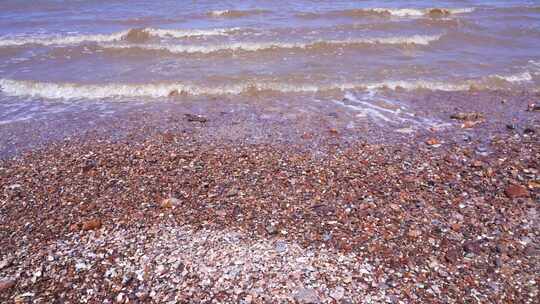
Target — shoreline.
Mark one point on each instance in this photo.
(239, 206)
(264, 120)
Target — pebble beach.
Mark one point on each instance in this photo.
(249, 151)
(172, 218)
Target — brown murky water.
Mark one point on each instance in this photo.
(91, 61)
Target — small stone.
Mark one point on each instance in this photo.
(271, 229)
(91, 224)
(470, 116)
(232, 192)
(306, 296)
(337, 293)
(477, 164)
(482, 151)
(433, 142)
(6, 284)
(74, 227)
(414, 233)
(434, 264)
(515, 191)
(511, 126)
(533, 107)
(471, 124)
(528, 130)
(141, 295)
(81, 266)
(281, 246)
(327, 236)
(456, 226)
(169, 203)
(452, 255)
(471, 247)
(120, 298)
(5, 263)
(195, 118)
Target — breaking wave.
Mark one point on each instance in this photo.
(61, 40)
(397, 12)
(51, 90)
(133, 35)
(236, 13)
(259, 46)
(522, 77)
(171, 33)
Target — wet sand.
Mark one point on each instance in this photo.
(254, 206)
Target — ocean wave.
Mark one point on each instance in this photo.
(260, 46)
(131, 35)
(515, 78)
(236, 13)
(61, 40)
(172, 33)
(397, 12)
(51, 90)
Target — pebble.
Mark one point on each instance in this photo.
(337, 293)
(91, 224)
(511, 126)
(169, 203)
(271, 229)
(516, 191)
(452, 255)
(281, 246)
(6, 284)
(6, 262)
(435, 191)
(306, 296)
(528, 130)
(327, 236)
(433, 142)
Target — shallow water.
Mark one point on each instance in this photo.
(65, 52)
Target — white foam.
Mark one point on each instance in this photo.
(113, 37)
(404, 12)
(258, 46)
(419, 84)
(235, 13)
(51, 90)
(394, 113)
(410, 12)
(218, 13)
(61, 40)
(173, 33)
(521, 77)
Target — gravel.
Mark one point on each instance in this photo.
(168, 219)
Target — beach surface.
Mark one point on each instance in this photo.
(191, 213)
(269, 152)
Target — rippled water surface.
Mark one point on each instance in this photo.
(66, 52)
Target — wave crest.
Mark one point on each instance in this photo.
(50, 90)
(135, 35)
(515, 78)
(236, 13)
(388, 12)
(261, 46)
